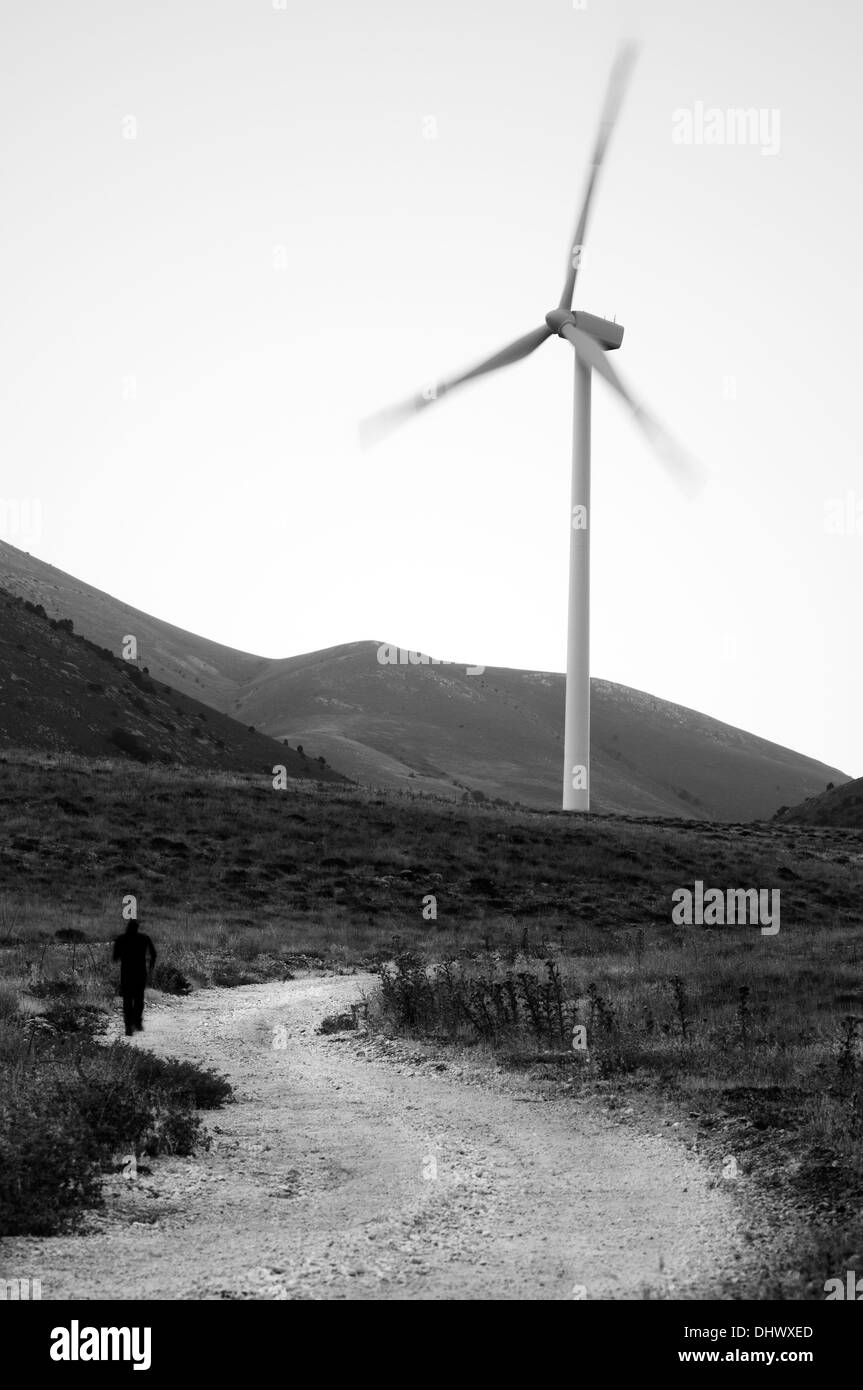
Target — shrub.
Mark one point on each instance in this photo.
(85, 1019)
(202, 1087)
(49, 1162)
(337, 1023)
(68, 1105)
(169, 979)
(118, 1112)
(52, 989)
(489, 1003)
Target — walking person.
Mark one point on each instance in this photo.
(136, 954)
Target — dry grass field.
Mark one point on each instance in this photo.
(496, 930)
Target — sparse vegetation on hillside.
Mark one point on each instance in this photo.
(226, 864)
(62, 692)
(534, 923)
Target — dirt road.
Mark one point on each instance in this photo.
(343, 1174)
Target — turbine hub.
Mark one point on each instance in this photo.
(556, 318)
(609, 335)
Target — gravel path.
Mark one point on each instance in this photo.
(347, 1172)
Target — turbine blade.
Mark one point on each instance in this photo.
(378, 426)
(615, 92)
(685, 470)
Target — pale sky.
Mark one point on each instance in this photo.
(196, 318)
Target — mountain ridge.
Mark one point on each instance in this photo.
(445, 728)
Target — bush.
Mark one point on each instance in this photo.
(337, 1023)
(49, 1162)
(169, 979)
(52, 989)
(87, 1020)
(493, 1004)
(203, 1087)
(118, 1112)
(68, 1105)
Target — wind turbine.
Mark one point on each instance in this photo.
(592, 338)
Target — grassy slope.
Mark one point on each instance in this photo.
(436, 729)
(502, 732)
(237, 882)
(342, 867)
(841, 806)
(60, 692)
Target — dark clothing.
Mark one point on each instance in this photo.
(135, 952)
(133, 1009)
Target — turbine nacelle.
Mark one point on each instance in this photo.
(608, 334)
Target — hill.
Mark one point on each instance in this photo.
(502, 732)
(59, 692)
(437, 728)
(838, 806)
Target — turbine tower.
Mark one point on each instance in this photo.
(592, 338)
